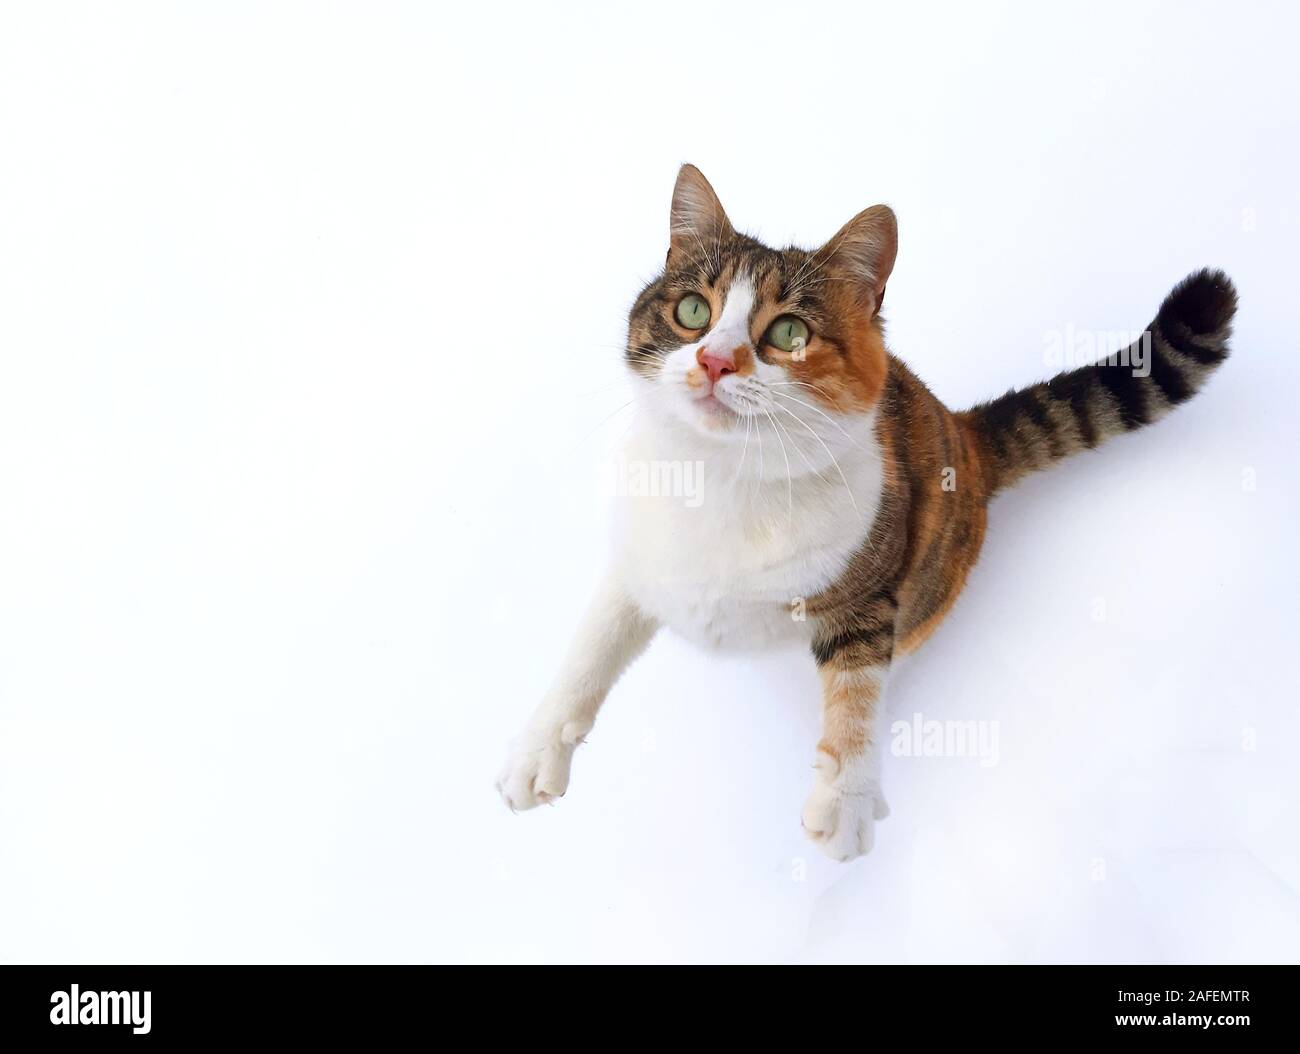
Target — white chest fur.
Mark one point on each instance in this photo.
(727, 560)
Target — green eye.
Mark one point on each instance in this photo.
(693, 311)
(787, 333)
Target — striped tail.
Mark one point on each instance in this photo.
(1032, 428)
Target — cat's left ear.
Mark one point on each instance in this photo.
(697, 221)
(863, 253)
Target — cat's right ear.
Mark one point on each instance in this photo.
(697, 222)
(863, 252)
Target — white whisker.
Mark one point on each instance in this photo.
(834, 460)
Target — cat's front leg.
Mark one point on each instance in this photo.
(613, 633)
(853, 653)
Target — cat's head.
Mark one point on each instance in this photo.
(735, 336)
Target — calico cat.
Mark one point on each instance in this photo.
(843, 504)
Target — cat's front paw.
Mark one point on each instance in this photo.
(845, 803)
(537, 770)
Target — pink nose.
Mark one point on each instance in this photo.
(717, 366)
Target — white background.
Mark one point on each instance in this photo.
(310, 330)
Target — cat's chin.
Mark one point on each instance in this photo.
(712, 417)
(715, 413)
(706, 417)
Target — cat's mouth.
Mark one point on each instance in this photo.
(715, 410)
(711, 408)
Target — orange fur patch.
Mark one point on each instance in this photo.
(847, 376)
(850, 699)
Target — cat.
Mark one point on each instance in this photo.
(843, 504)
